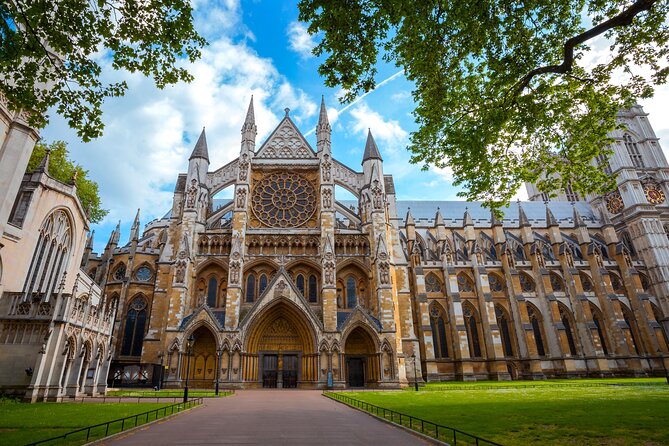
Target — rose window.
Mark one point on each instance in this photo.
(284, 200)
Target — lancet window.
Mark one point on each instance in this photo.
(438, 327)
(135, 321)
(472, 327)
(537, 328)
(567, 322)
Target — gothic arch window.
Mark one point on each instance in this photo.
(439, 337)
(504, 323)
(645, 283)
(616, 283)
(51, 255)
(598, 320)
(472, 327)
(571, 194)
(143, 274)
(352, 289)
(526, 283)
(520, 252)
(547, 251)
(465, 283)
(496, 283)
(633, 151)
(313, 289)
(568, 323)
(299, 283)
(556, 283)
(432, 283)
(627, 242)
(537, 328)
(135, 321)
(633, 327)
(262, 284)
(657, 313)
(212, 290)
(250, 288)
(351, 297)
(119, 272)
(586, 283)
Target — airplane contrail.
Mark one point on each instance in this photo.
(361, 97)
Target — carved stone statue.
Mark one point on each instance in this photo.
(192, 193)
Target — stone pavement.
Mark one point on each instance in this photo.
(281, 417)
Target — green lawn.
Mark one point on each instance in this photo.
(22, 423)
(570, 412)
(166, 393)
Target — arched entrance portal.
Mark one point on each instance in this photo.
(281, 350)
(202, 369)
(362, 361)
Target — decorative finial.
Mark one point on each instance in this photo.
(287, 110)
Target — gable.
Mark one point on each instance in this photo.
(287, 142)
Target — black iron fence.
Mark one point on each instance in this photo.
(437, 431)
(97, 431)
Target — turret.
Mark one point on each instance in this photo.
(323, 130)
(198, 163)
(249, 131)
(580, 228)
(134, 230)
(410, 226)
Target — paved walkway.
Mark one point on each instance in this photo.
(283, 417)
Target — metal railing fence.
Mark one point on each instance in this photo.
(102, 430)
(437, 431)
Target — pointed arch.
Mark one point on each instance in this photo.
(569, 324)
(633, 327)
(536, 321)
(440, 332)
(135, 326)
(473, 328)
(527, 284)
(556, 282)
(432, 283)
(586, 282)
(659, 317)
(497, 283)
(600, 327)
(506, 329)
(465, 283)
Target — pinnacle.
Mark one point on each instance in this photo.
(371, 150)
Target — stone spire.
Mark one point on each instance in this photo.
(522, 217)
(371, 150)
(134, 231)
(438, 219)
(409, 219)
(494, 221)
(89, 240)
(550, 218)
(604, 217)
(249, 129)
(44, 164)
(578, 220)
(323, 129)
(115, 235)
(467, 219)
(200, 150)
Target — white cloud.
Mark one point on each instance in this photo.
(150, 133)
(388, 131)
(300, 40)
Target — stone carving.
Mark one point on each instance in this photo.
(191, 194)
(180, 274)
(235, 269)
(327, 198)
(243, 167)
(326, 169)
(384, 273)
(284, 200)
(328, 269)
(569, 256)
(285, 143)
(377, 196)
(540, 258)
(241, 198)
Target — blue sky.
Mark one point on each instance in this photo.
(259, 48)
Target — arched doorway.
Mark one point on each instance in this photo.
(202, 368)
(281, 349)
(362, 362)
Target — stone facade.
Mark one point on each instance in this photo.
(284, 286)
(55, 328)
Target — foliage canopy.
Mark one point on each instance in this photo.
(63, 169)
(51, 53)
(506, 92)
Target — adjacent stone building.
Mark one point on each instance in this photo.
(285, 286)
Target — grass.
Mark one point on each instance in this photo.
(167, 393)
(561, 412)
(22, 423)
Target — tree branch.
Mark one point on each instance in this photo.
(623, 19)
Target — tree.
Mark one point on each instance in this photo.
(502, 90)
(51, 53)
(63, 169)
